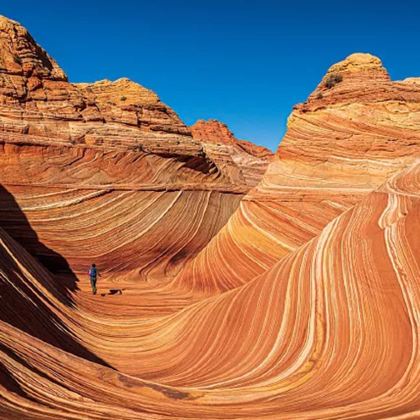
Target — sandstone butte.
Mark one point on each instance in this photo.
(218, 139)
(298, 298)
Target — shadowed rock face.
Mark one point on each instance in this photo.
(297, 300)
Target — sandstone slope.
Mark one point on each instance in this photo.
(103, 171)
(331, 331)
(303, 302)
(345, 141)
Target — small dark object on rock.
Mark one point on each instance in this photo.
(332, 80)
(115, 291)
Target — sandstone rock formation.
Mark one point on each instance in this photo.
(220, 144)
(341, 144)
(342, 306)
(76, 156)
(303, 302)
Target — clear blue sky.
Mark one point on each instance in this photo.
(243, 62)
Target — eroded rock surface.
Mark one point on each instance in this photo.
(341, 144)
(249, 160)
(77, 156)
(302, 302)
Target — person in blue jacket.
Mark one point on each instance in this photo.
(93, 274)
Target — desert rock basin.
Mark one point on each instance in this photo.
(235, 283)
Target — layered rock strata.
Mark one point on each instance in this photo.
(103, 170)
(302, 303)
(298, 341)
(219, 142)
(342, 143)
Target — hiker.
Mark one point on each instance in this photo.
(93, 274)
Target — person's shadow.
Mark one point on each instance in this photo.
(113, 292)
(22, 302)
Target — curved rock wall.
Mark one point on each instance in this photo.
(303, 302)
(105, 171)
(342, 143)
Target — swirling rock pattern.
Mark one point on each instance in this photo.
(345, 141)
(80, 158)
(303, 303)
(330, 331)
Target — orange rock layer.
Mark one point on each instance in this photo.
(330, 331)
(342, 143)
(81, 158)
(220, 144)
(299, 300)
